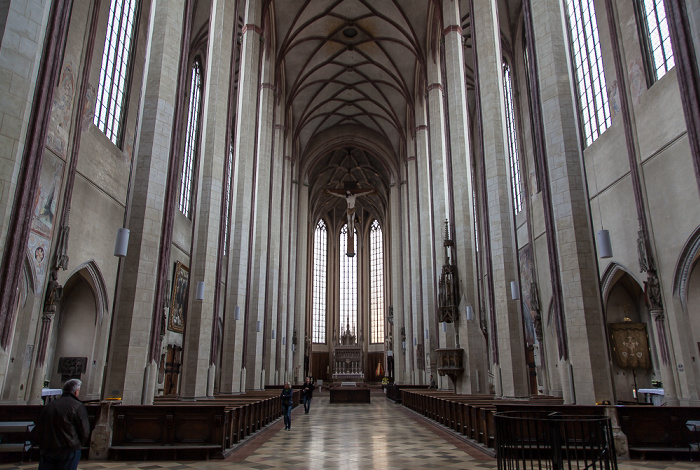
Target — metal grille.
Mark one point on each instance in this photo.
(530, 440)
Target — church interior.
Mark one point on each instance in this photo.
(207, 199)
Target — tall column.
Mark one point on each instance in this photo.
(261, 225)
(233, 373)
(285, 272)
(578, 270)
(301, 253)
(136, 295)
(292, 268)
(440, 186)
(425, 231)
(510, 373)
(398, 257)
(273, 311)
(415, 299)
(471, 338)
(212, 155)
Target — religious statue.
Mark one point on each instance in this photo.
(54, 292)
(653, 292)
(350, 192)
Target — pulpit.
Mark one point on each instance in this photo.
(450, 362)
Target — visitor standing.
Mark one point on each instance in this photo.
(308, 393)
(287, 397)
(63, 429)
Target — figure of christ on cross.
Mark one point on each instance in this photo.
(350, 192)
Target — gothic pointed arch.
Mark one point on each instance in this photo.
(687, 260)
(91, 273)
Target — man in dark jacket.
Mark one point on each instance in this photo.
(62, 430)
(308, 392)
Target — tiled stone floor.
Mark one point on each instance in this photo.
(346, 436)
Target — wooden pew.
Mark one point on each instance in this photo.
(169, 431)
(31, 413)
(659, 431)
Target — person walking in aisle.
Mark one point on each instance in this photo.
(308, 393)
(287, 397)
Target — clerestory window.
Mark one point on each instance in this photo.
(191, 134)
(111, 90)
(588, 64)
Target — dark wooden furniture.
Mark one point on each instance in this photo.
(349, 395)
(658, 431)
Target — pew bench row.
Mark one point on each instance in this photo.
(468, 415)
(656, 432)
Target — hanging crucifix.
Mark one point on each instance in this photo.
(350, 192)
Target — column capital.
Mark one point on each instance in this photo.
(452, 29)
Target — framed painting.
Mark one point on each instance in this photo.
(178, 299)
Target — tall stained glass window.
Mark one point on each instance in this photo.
(348, 283)
(514, 159)
(376, 283)
(191, 142)
(320, 269)
(656, 38)
(111, 90)
(588, 63)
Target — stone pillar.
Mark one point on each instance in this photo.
(587, 343)
(255, 355)
(471, 338)
(302, 249)
(398, 258)
(132, 321)
(273, 312)
(283, 338)
(213, 153)
(413, 294)
(511, 357)
(294, 192)
(232, 370)
(424, 231)
(440, 185)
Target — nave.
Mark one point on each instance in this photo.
(349, 436)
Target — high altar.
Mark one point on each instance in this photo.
(348, 359)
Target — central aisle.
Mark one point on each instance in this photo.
(360, 436)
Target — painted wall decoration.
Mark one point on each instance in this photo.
(178, 308)
(89, 107)
(47, 196)
(43, 215)
(38, 248)
(57, 136)
(526, 279)
(638, 81)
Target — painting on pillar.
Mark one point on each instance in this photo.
(181, 281)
